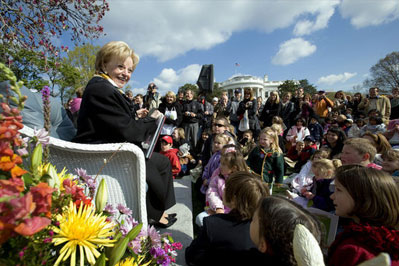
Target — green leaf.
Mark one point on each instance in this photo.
(28, 179)
(134, 232)
(118, 251)
(101, 260)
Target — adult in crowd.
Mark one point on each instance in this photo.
(298, 98)
(395, 104)
(215, 101)
(354, 103)
(139, 101)
(180, 97)
(152, 99)
(259, 100)
(335, 139)
(287, 112)
(105, 117)
(271, 108)
(321, 105)
(340, 102)
(249, 104)
(232, 108)
(129, 95)
(172, 111)
(208, 110)
(221, 108)
(192, 116)
(378, 102)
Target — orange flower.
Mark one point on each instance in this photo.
(8, 163)
(42, 195)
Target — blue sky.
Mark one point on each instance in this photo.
(332, 43)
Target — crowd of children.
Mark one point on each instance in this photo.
(326, 162)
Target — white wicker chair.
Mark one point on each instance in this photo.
(124, 173)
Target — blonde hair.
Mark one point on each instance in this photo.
(325, 165)
(117, 49)
(392, 155)
(224, 139)
(269, 132)
(232, 158)
(171, 94)
(323, 152)
(180, 133)
(277, 97)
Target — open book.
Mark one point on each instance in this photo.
(149, 144)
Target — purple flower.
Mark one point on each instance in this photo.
(157, 252)
(45, 93)
(110, 209)
(42, 136)
(131, 221)
(124, 210)
(88, 180)
(154, 236)
(124, 229)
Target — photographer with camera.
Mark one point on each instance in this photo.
(322, 104)
(249, 104)
(152, 99)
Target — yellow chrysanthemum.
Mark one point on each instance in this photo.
(83, 228)
(132, 261)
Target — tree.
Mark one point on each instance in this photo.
(83, 59)
(189, 86)
(288, 86)
(385, 74)
(34, 25)
(307, 88)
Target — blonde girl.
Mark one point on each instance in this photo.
(218, 142)
(370, 198)
(267, 159)
(320, 192)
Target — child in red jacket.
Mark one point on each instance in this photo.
(171, 153)
(370, 198)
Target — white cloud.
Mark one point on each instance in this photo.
(170, 79)
(364, 13)
(332, 79)
(323, 11)
(292, 50)
(170, 28)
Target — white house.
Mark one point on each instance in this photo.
(260, 86)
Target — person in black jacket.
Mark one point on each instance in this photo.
(105, 116)
(271, 109)
(225, 238)
(192, 116)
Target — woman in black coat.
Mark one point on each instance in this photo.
(249, 104)
(106, 116)
(271, 108)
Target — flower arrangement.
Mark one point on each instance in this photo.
(57, 218)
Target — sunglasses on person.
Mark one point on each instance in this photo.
(218, 125)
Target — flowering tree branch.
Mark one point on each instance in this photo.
(33, 24)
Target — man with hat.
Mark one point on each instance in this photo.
(232, 107)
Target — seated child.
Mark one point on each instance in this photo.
(392, 133)
(219, 141)
(171, 153)
(320, 192)
(231, 161)
(247, 143)
(307, 152)
(200, 144)
(225, 236)
(266, 159)
(356, 129)
(370, 198)
(305, 177)
(375, 125)
(272, 229)
(390, 163)
(187, 161)
(293, 156)
(359, 151)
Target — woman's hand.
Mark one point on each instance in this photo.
(141, 113)
(156, 114)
